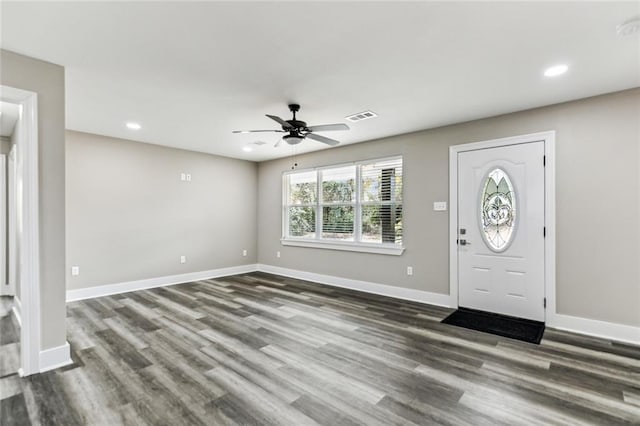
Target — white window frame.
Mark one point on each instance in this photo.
(318, 241)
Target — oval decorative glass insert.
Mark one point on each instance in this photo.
(498, 210)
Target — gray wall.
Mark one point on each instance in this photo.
(598, 205)
(47, 80)
(130, 217)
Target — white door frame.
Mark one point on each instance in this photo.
(12, 212)
(4, 236)
(28, 226)
(548, 138)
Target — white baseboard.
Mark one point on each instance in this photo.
(125, 287)
(17, 310)
(602, 329)
(364, 286)
(595, 328)
(589, 327)
(55, 357)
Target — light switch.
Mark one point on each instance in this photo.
(75, 270)
(188, 177)
(439, 206)
(183, 177)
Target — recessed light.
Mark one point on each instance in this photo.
(556, 70)
(133, 126)
(247, 149)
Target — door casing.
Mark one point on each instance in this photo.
(28, 227)
(548, 138)
(6, 288)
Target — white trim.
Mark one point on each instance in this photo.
(350, 163)
(364, 286)
(57, 357)
(27, 173)
(12, 214)
(550, 226)
(550, 214)
(125, 287)
(601, 329)
(6, 288)
(338, 245)
(17, 310)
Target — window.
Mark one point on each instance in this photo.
(338, 203)
(355, 207)
(498, 210)
(301, 206)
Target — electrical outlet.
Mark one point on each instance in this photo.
(183, 259)
(188, 177)
(440, 206)
(409, 270)
(278, 254)
(75, 270)
(244, 253)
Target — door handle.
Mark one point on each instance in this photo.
(465, 243)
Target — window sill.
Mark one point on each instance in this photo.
(345, 246)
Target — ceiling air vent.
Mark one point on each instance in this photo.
(365, 115)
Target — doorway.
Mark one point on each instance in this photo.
(24, 194)
(501, 226)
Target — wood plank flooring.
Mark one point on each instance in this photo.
(259, 349)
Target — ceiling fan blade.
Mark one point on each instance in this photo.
(256, 131)
(328, 127)
(323, 139)
(278, 143)
(280, 120)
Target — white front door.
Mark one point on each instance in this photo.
(501, 230)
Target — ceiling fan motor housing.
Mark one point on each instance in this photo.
(296, 124)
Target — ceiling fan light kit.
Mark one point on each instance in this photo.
(297, 130)
(293, 139)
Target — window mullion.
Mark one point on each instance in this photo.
(357, 222)
(319, 204)
(285, 207)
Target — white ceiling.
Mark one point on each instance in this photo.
(190, 73)
(9, 114)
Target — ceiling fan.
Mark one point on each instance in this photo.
(297, 130)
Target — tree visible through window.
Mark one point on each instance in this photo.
(301, 204)
(359, 203)
(338, 203)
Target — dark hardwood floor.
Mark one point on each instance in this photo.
(261, 349)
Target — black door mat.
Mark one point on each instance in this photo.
(501, 325)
